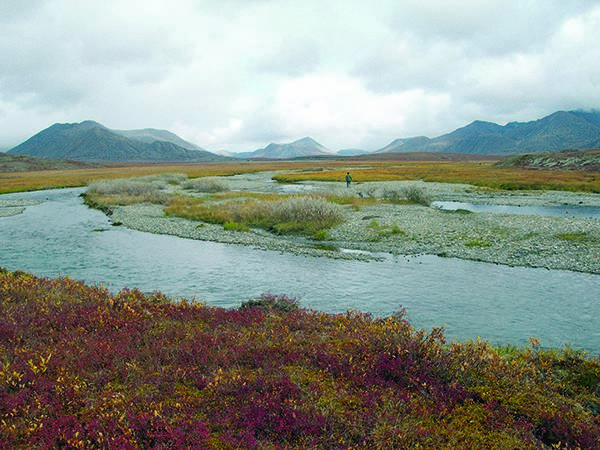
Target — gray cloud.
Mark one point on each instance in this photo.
(292, 58)
(239, 74)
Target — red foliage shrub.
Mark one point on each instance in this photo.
(81, 368)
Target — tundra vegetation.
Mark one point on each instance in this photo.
(484, 174)
(209, 200)
(83, 368)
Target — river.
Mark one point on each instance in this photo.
(505, 305)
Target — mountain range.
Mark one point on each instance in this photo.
(91, 141)
(304, 147)
(558, 131)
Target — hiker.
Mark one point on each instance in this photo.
(348, 179)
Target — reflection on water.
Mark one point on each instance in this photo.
(505, 305)
(572, 211)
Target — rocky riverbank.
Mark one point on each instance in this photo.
(516, 240)
(13, 207)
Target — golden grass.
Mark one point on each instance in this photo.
(48, 179)
(475, 173)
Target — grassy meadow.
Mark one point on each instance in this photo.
(484, 174)
(83, 368)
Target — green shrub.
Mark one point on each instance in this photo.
(580, 236)
(383, 231)
(326, 247)
(272, 302)
(234, 226)
(396, 230)
(481, 243)
(456, 211)
(321, 235)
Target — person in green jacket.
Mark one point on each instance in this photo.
(348, 179)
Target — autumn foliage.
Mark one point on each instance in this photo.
(83, 368)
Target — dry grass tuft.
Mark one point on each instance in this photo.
(281, 214)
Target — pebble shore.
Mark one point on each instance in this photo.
(515, 240)
(13, 207)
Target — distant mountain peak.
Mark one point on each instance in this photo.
(92, 141)
(302, 147)
(306, 140)
(91, 123)
(557, 131)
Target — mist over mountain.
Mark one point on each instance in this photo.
(558, 131)
(150, 135)
(351, 152)
(301, 148)
(91, 141)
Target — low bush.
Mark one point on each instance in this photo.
(396, 230)
(321, 235)
(273, 302)
(410, 194)
(384, 231)
(417, 195)
(83, 368)
(233, 226)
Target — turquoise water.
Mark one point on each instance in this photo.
(501, 304)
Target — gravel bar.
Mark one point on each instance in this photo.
(516, 240)
(13, 207)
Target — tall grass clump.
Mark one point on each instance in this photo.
(208, 185)
(297, 214)
(126, 191)
(305, 214)
(410, 194)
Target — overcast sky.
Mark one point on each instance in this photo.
(239, 74)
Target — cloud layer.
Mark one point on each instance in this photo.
(238, 74)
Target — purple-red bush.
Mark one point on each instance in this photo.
(82, 368)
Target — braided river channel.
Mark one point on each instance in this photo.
(504, 305)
